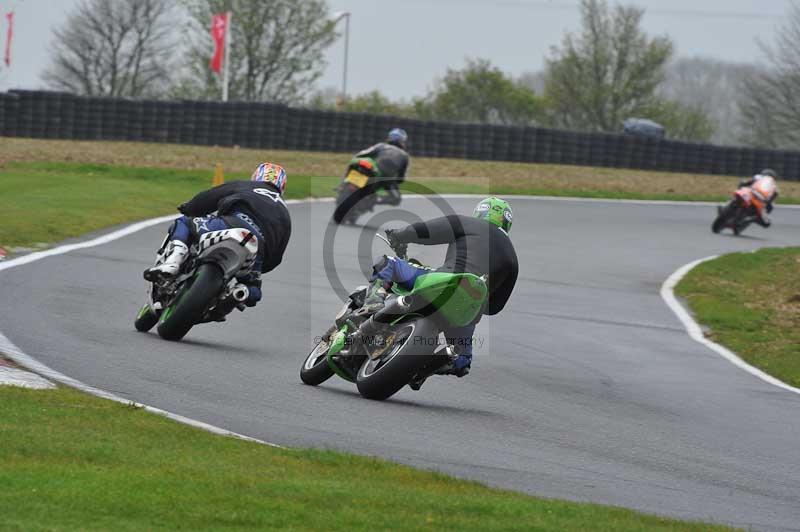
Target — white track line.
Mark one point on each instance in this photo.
(15, 354)
(696, 333)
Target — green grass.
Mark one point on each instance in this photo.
(49, 202)
(74, 462)
(751, 303)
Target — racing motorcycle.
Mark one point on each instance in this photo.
(747, 204)
(207, 288)
(359, 190)
(400, 344)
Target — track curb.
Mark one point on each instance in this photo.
(696, 332)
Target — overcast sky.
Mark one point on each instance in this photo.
(399, 47)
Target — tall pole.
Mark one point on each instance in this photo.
(346, 54)
(336, 18)
(227, 56)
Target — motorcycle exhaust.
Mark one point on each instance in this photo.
(240, 293)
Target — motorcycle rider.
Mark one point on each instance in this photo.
(479, 245)
(256, 205)
(392, 159)
(764, 186)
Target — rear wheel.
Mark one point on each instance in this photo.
(315, 369)
(351, 203)
(146, 319)
(410, 349)
(191, 304)
(345, 204)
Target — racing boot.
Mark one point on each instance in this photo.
(376, 297)
(458, 367)
(369, 332)
(177, 252)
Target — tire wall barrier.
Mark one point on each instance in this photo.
(58, 115)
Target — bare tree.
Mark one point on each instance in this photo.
(712, 86)
(770, 101)
(277, 51)
(114, 48)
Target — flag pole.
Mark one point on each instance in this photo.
(225, 67)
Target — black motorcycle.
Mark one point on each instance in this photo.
(207, 288)
(360, 191)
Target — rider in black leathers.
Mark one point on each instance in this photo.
(478, 244)
(392, 160)
(256, 205)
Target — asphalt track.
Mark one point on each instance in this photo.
(587, 387)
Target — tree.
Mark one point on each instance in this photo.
(276, 54)
(113, 48)
(770, 101)
(607, 73)
(682, 122)
(373, 102)
(480, 93)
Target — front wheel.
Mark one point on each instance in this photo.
(410, 347)
(315, 369)
(146, 319)
(192, 303)
(724, 218)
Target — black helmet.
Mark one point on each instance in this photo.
(769, 172)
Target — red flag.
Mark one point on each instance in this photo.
(9, 36)
(219, 27)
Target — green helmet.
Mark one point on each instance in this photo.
(495, 211)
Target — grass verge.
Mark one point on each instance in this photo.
(751, 303)
(501, 177)
(46, 202)
(75, 462)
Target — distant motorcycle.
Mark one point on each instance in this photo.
(406, 349)
(747, 204)
(359, 191)
(207, 287)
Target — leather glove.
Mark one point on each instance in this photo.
(400, 248)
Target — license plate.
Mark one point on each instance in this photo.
(357, 178)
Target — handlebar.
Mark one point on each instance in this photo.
(400, 250)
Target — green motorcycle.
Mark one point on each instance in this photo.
(400, 344)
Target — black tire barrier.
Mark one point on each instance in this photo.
(58, 115)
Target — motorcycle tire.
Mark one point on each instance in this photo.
(146, 319)
(412, 349)
(315, 369)
(191, 304)
(723, 219)
(345, 203)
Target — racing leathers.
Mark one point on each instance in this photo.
(766, 189)
(393, 164)
(474, 246)
(255, 206)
